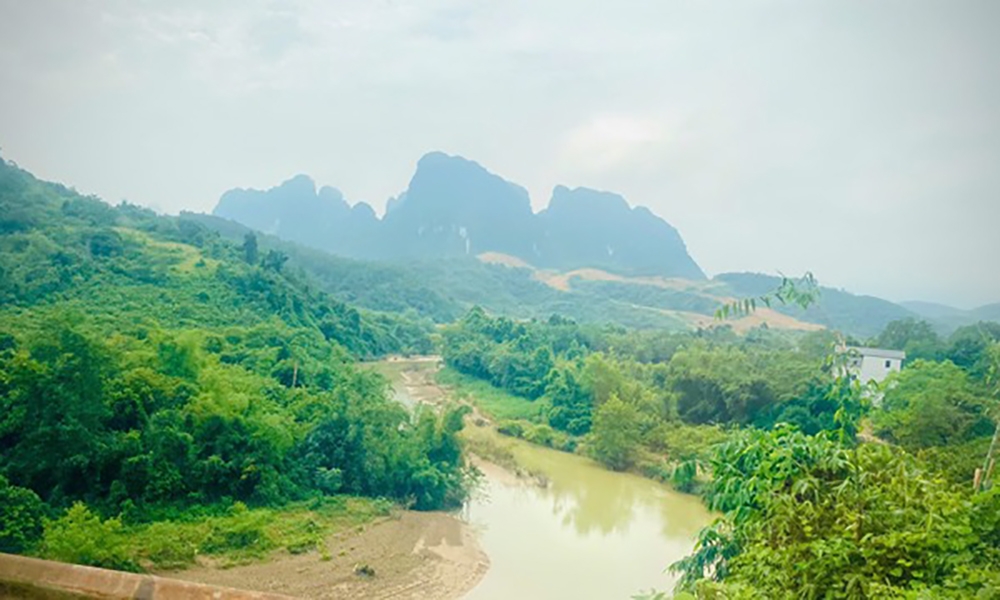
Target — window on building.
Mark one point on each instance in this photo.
(888, 364)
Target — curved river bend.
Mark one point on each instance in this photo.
(587, 533)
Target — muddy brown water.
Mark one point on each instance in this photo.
(588, 533)
(585, 532)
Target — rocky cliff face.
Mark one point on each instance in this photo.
(584, 227)
(454, 207)
(297, 211)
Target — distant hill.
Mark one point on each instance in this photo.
(859, 315)
(946, 318)
(454, 207)
(989, 312)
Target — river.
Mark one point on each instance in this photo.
(585, 533)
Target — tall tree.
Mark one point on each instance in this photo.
(250, 250)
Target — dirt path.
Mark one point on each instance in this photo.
(417, 555)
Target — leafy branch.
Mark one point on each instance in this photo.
(802, 291)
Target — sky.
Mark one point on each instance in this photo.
(858, 140)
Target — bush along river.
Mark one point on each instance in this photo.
(559, 525)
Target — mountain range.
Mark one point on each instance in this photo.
(454, 207)
(460, 235)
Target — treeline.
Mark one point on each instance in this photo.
(149, 369)
(714, 376)
(192, 418)
(646, 383)
(60, 248)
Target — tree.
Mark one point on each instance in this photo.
(21, 512)
(274, 260)
(915, 337)
(808, 516)
(571, 402)
(718, 385)
(616, 434)
(968, 347)
(931, 404)
(250, 248)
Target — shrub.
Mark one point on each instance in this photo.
(167, 546)
(243, 530)
(81, 537)
(511, 428)
(20, 517)
(543, 435)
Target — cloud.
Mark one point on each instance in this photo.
(853, 139)
(608, 141)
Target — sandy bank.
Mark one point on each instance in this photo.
(414, 555)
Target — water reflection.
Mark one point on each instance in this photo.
(590, 533)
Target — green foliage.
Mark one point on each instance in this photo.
(81, 537)
(801, 292)
(21, 516)
(500, 351)
(968, 347)
(233, 534)
(616, 433)
(250, 250)
(863, 316)
(152, 370)
(571, 399)
(813, 411)
(715, 385)
(808, 516)
(915, 337)
(932, 404)
(495, 402)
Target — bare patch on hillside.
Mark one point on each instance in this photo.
(707, 289)
(762, 316)
(499, 258)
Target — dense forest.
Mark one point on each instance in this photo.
(826, 488)
(151, 372)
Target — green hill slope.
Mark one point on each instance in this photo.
(149, 366)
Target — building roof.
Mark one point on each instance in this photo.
(880, 352)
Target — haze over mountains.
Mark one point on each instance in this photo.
(455, 207)
(588, 255)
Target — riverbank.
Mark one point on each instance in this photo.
(544, 523)
(554, 523)
(409, 555)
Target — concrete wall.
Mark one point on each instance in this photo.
(25, 578)
(878, 368)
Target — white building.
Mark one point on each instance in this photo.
(874, 364)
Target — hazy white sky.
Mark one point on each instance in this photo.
(857, 139)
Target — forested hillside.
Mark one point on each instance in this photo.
(443, 289)
(149, 368)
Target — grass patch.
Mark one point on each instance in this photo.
(493, 401)
(182, 257)
(236, 536)
(487, 444)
